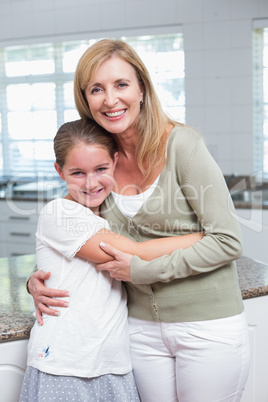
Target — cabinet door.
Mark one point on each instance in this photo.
(257, 385)
(17, 232)
(20, 211)
(18, 222)
(13, 357)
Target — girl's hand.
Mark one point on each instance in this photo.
(44, 297)
(119, 268)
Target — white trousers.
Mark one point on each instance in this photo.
(203, 361)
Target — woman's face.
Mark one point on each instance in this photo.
(114, 95)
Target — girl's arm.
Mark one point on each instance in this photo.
(147, 250)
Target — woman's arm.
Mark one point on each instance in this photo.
(46, 298)
(147, 250)
(205, 191)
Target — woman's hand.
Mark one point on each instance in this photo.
(44, 297)
(119, 268)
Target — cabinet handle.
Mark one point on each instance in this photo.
(22, 218)
(20, 234)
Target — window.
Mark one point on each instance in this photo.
(37, 94)
(260, 99)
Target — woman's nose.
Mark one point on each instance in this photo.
(111, 98)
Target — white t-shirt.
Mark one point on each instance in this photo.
(90, 338)
(129, 205)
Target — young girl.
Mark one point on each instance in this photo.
(83, 355)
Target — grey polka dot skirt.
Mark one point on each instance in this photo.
(38, 386)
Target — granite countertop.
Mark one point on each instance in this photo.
(16, 305)
(46, 198)
(38, 189)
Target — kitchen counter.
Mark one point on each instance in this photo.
(246, 191)
(16, 305)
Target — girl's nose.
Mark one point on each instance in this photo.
(91, 182)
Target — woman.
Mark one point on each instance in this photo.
(189, 339)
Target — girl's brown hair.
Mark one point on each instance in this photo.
(152, 120)
(81, 131)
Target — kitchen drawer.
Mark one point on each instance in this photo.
(20, 211)
(19, 232)
(15, 249)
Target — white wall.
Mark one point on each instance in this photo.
(254, 228)
(218, 54)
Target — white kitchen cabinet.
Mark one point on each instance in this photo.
(18, 220)
(13, 357)
(257, 385)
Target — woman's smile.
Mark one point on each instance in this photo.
(115, 114)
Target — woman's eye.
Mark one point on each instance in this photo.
(95, 90)
(122, 84)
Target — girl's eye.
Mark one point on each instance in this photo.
(101, 169)
(77, 173)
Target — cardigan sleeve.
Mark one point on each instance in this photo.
(206, 192)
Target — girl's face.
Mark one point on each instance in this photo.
(88, 171)
(114, 95)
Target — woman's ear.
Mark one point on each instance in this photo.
(58, 169)
(142, 92)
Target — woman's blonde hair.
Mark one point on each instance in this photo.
(81, 131)
(152, 120)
